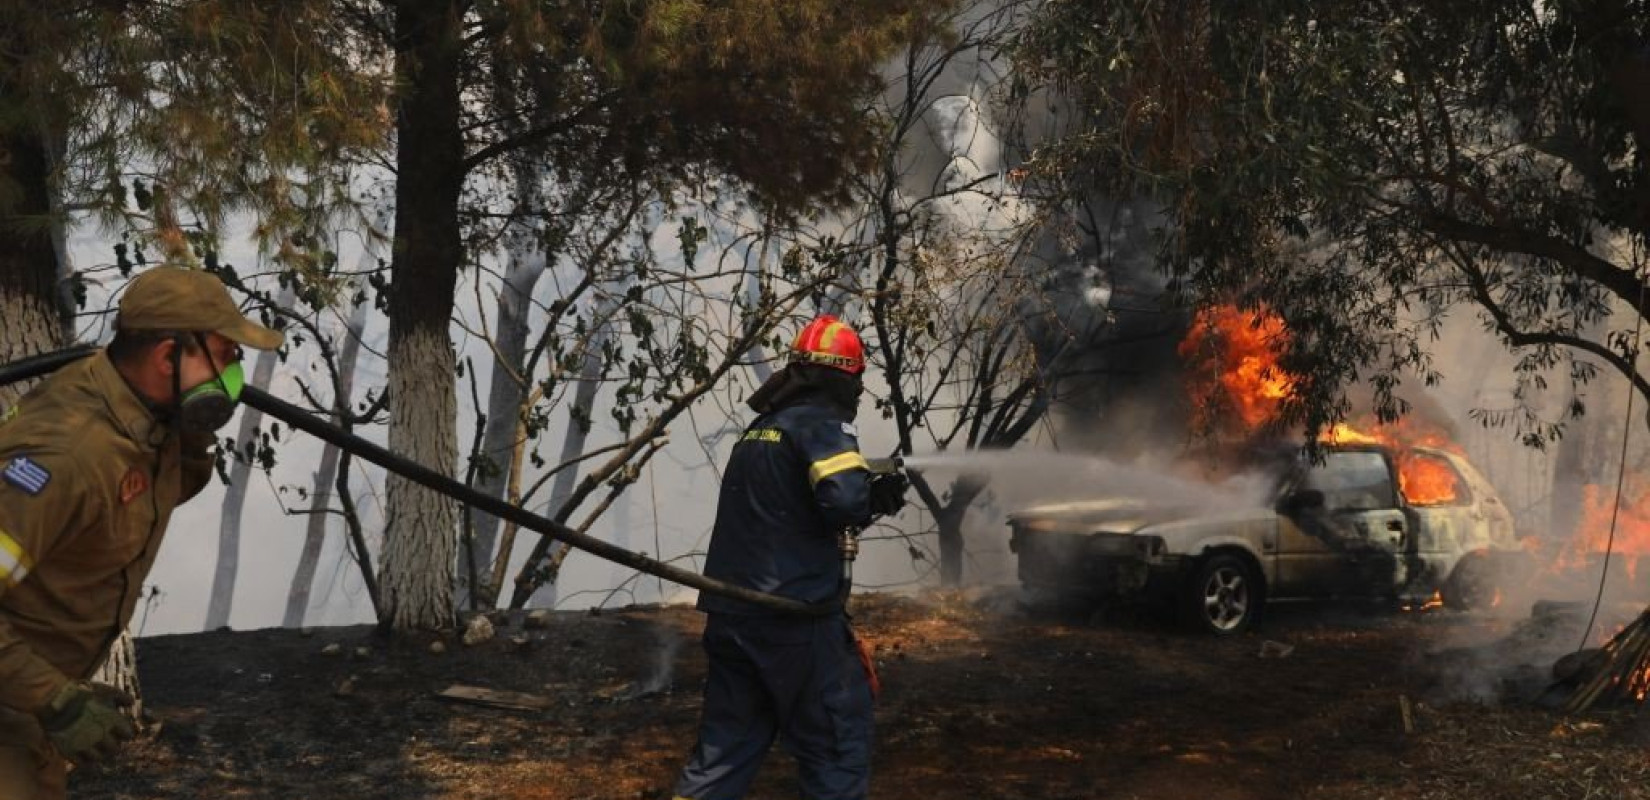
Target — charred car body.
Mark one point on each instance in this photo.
(1339, 527)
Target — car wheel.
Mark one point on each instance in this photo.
(1223, 596)
(1471, 585)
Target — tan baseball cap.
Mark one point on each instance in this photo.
(180, 299)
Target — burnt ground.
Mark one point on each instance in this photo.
(980, 701)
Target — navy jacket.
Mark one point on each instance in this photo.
(795, 480)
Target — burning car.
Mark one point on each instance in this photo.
(1365, 520)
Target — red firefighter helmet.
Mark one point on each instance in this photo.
(829, 342)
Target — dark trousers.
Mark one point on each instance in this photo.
(793, 678)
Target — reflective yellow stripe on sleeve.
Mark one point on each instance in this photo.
(14, 561)
(826, 467)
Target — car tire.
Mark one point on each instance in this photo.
(1222, 596)
(1472, 584)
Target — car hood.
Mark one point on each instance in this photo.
(1128, 515)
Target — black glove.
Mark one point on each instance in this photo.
(888, 493)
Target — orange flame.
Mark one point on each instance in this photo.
(1424, 479)
(1435, 601)
(1232, 356)
(1233, 360)
(1632, 523)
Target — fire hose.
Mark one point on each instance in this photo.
(252, 397)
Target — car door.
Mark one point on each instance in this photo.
(1353, 543)
(1448, 520)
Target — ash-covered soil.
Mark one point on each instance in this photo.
(980, 700)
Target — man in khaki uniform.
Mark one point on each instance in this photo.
(92, 462)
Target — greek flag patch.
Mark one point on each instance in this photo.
(26, 475)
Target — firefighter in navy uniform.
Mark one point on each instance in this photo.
(794, 483)
(92, 463)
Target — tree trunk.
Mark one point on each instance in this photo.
(949, 518)
(60, 243)
(419, 542)
(119, 670)
(504, 404)
(31, 314)
(315, 536)
(234, 498)
(951, 545)
(1581, 458)
(1588, 453)
(624, 521)
(578, 431)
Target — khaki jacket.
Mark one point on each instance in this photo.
(88, 479)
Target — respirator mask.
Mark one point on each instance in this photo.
(209, 406)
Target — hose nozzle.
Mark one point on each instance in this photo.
(885, 466)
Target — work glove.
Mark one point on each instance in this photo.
(888, 493)
(84, 721)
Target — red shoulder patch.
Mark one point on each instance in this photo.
(134, 484)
